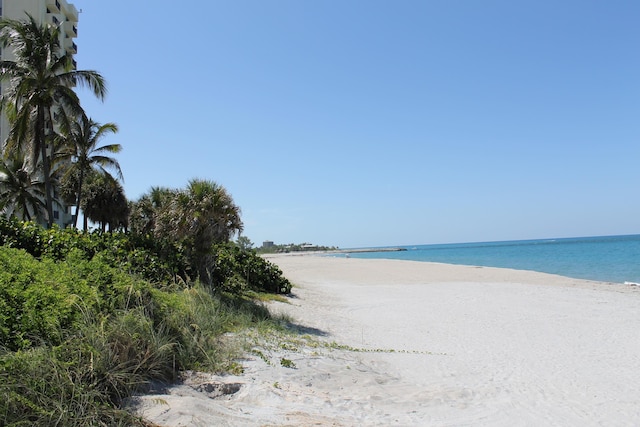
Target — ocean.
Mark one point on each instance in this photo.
(606, 258)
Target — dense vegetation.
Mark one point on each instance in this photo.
(89, 318)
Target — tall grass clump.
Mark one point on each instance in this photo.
(44, 387)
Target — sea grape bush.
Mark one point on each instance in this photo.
(236, 267)
(43, 301)
(22, 235)
(36, 300)
(155, 260)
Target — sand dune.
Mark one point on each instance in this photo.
(410, 343)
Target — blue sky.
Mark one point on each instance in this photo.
(370, 123)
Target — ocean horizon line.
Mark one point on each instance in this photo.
(479, 242)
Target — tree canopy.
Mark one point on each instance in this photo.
(196, 217)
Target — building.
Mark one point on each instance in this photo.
(57, 12)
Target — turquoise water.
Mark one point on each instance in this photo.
(607, 258)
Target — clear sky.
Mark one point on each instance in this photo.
(368, 123)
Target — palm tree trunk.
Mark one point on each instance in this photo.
(78, 196)
(41, 141)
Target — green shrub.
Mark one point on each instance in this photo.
(159, 261)
(39, 300)
(42, 301)
(237, 268)
(21, 235)
(153, 259)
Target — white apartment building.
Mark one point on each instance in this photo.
(57, 12)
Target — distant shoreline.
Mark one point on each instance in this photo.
(335, 251)
(367, 250)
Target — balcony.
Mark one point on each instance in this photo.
(53, 6)
(71, 13)
(70, 29)
(69, 46)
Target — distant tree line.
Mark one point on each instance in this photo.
(293, 247)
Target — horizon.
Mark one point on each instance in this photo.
(478, 242)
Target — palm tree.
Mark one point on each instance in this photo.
(200, 216)
(142, 213)
(79, 153)
(21, 193)
(105, 203)
(41, 81)
(204, 210)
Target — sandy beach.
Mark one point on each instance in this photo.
(386, 342)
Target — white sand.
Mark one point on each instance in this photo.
(471, 346)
